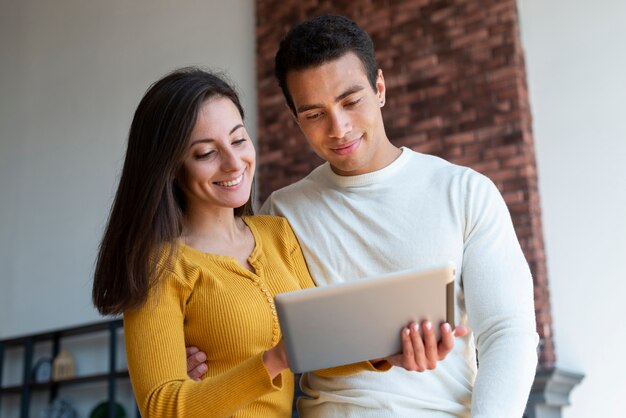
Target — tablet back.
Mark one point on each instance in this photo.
(361, 320)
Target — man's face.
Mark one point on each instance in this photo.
(339, 113)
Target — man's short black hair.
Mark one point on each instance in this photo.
(319, 40)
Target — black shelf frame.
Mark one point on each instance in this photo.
(28, 343)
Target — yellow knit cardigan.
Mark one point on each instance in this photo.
(213, 302)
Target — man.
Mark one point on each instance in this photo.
(375, 208)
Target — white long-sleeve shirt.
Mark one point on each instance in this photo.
(422, 212)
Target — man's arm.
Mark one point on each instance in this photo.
(498, 292)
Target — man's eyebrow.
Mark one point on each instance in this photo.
(238, 126)
(350, 90)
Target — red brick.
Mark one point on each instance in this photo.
(461, 138)
(469, 38)
(424, 62)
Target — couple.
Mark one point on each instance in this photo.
(188, 265)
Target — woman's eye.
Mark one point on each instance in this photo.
(204, 155)
(239, 141)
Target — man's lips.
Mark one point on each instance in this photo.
(348, 147)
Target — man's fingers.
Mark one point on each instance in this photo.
(460, 331)
(446, 343)
(195, 364)
(419, 354)
(408, 355)
(430, 345)
(422, 351)
(189, 351)
(195, 360)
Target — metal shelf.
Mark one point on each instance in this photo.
(55, 336)
(66, 382)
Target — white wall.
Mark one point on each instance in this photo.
(576, 63)
(71, 75)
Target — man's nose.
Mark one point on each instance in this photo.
(340, 124)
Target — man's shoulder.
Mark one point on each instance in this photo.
(294, 193)
(455, 179)
(439, 167)
(314, 179)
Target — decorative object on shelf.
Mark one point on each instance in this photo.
(102, 411)
(59, 408)
(63, 366)
(42, 372)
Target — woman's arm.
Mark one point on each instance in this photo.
(155, 349)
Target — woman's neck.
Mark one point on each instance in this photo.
(219, 232)
(215, 225)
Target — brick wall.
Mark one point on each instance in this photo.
(456, 87)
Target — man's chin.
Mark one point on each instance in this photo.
(346, 169)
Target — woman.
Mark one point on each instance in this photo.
(186, 263)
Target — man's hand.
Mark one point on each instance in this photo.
(421, 352)
(195, 363)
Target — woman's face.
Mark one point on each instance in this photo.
(219, 165)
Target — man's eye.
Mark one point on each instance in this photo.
(313, 116)
(353, 102)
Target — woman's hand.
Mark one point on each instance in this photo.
(275, 359)
(196, 366)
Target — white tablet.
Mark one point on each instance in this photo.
(361, 320)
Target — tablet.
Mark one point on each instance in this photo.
(361, 320)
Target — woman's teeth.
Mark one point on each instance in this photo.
(231, 182)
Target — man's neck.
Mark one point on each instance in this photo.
(384, 157)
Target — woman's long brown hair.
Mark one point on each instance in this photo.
(146, 216)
